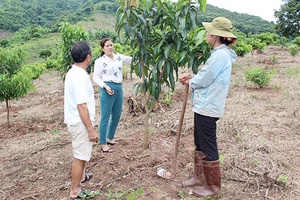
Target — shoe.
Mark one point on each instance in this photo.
(87, 177)
(107, 151)
(85, 194)
(112, 142)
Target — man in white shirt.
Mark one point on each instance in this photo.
(79, 113)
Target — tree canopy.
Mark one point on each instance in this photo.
(288, 19)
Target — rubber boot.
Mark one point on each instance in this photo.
(212, 173)
(198, 179)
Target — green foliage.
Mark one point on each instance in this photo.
(111, 195)
(283, 41)
(37, 70)
(53, 64)
(88, 194)
(241, 48)
(293, 71)
(15, 80)
(255, 43)
(160, 37)
(4, 43)
(10, 60)
(296, 41)
(46, 13)
(281, 180)
(99, 34)
(293, 49)
(15, 86)
(242, 22)
(267, 38)
(70, 35)
(26, 34)
(45, 53)
(258, 76)
(288, 19)
(107, 6)
(164, 37)
(221, 159)
(167, 98)
(134, 194)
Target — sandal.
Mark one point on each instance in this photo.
(109, 150)
(85, 194)
(111, 142)
(87, 177)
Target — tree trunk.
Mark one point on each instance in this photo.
(7, 110)
(146, 133)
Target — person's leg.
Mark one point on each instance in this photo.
(77, 171)
(116, 111)
(82, 151)
(205, 136)
(106, 103)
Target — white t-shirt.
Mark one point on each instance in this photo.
(78, 90)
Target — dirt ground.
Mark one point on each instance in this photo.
(258, 141)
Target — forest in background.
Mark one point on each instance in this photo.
(18, 14)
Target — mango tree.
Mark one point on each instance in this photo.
(15, 80)
(164, 36)
(69, 35)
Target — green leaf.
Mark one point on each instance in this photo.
(202, 5)
(182, 55)
(167, 50)
(200, 37)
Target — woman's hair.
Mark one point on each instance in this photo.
(102, 43)
(79, 51)
(227, 40)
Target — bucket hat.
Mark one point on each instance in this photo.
(220, 26)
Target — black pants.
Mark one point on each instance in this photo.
(205, 136)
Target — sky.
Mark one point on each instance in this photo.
(262, 8)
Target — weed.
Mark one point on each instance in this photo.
(273, 59)
(134, 194)
(90, 195)
(54, 133)
(281, 180)
(111, 195)
(293, 49)
(293, 71)
(168, 98)
(221, 159)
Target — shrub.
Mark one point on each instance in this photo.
(45, 54)
(293, 49)
(258, 76)
(296, 41)
(37, 70)
(53, 64)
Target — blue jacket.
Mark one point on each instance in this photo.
(210, 85)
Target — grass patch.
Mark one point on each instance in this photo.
(293, 71)
(34, 47)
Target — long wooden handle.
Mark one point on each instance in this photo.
(179, 127)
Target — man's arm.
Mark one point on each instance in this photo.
(85, 118)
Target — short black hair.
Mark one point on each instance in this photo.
(79, 51)
(227, 41)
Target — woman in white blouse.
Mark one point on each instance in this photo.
(108, 76)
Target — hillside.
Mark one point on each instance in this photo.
(17, 14)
